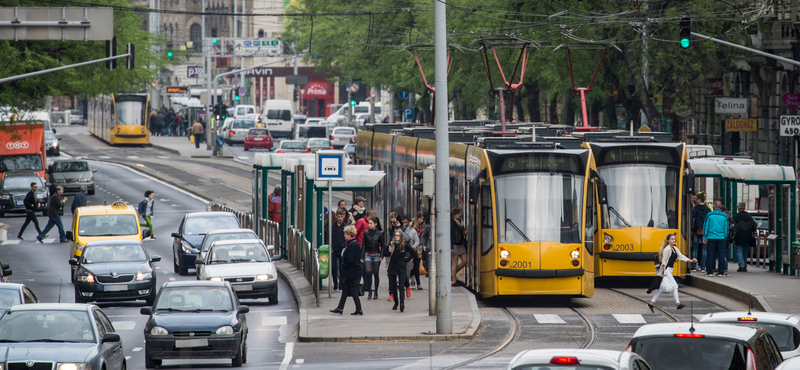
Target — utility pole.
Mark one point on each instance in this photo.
(243, 34)
(208, 47)
(444, 320)
(645, 64)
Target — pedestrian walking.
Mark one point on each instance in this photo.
(351, 272)
(146, 211)
(274, 204)
(337, 244)
(397, 250)
(699, 213)
(359, 209)
(413, 240)
(715, 234)
(31, 205)
(458, 240)
(372, 247)
(423, 232)
(668, 254)
(80, 199)
(54, 210)
(158, 123)
(744, 228)
(362, 225)
(197, 131)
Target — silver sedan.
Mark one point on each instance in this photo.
(246, 265)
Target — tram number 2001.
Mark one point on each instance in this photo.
(521, 264)
(623, 247)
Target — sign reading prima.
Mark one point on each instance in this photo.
(730, 105)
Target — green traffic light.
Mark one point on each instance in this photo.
(169, 54)
(236, 98)
(353, 102)
(213, 41)
(684, 43)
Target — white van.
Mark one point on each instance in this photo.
(241, 111)
(340, 115)
(277, 115)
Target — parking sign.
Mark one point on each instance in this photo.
(408, 114)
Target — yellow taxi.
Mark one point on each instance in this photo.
(116, 221)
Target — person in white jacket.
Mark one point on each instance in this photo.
(668, 254)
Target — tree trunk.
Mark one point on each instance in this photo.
(532, 90)
(461, 109)
(554, 110)
(641, 95)
(568, 110)
(518, 107)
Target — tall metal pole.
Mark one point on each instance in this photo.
(243, 34)
(209, 49)
(444, 320)
(330, 231)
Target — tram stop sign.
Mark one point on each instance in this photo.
(220, 141)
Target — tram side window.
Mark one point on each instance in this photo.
(591, 215)
(487, 229)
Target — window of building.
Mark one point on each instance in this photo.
(195, 34)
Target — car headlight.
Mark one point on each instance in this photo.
(607, 238)
(215, 278)
(55, 144)
(5, 196)
(574, 254)
(225, 330)
(73, 366)
(504, 254)
(263, 277)
(187, 248)
(88, 278)
(144, 276)
(157, 330)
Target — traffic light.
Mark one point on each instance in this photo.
(685, 32)
(296, 94)
(223, 110)
(131, 58)
(352, 102)
(214, 41)
(426, 178)
(111, 51)
(236, 96)
(216, 111)
(169, 53)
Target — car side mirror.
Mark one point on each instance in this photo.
(176, 235)
(602, 193)
(111, 338)
(146, 311)
(73, 261)
(94, 170)
(145, 233)
(50, 169)
(155, 258)
(70, 236)
(271, 248)
(244, 309)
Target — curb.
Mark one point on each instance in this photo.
(757, 301)
(178, 152)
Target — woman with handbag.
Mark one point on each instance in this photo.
(668, 255)
(373, 244)
(351, 271)
(423, 231)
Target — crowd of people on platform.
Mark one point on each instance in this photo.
(167, 122)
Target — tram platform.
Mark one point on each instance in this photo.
(379, 322)
(767, 291)
(182, 146)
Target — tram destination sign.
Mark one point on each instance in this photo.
(640, 155)
(532, 162)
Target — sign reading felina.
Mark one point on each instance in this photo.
(741, 125)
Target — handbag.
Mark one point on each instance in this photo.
(422, 270)
(420, 251)
(667, 286)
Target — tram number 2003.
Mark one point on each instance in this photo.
(623, 247)
(521, 264)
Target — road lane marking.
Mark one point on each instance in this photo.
(9, 242)
(243, 157)
(299, 361)
(698, 316)
(159, 181)
(171, 279)
(287, 356)
(133, 157)
(137, 349)
(124, 325)
(629, 318)
(163, 157)
(127, 358)
(103, 157)
(164, 200)
(49, 240)
(548, 319)
(273, 320)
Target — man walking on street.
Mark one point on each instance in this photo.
(699, 213)
(197, 131)
(54, 209)
(146, 211)
(745, 226)
(715, 235)
(337, 243)
(31, 205)
(79, 200)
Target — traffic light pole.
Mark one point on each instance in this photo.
(745, 48)
(57, 69)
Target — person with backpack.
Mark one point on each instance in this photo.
(146, 210)
(699, 213)
(744, 228)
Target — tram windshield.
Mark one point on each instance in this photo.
(129, 113)
(536, 207)
(641, 196)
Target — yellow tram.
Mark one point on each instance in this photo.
(120, 119)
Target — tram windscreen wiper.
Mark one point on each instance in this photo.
(614, 211)
(508, 221)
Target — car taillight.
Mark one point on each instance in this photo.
(688, 335)
(748, 319)
(331, 148)
(629, 349)
(279, 152)
(355, 137)
(233, 133)
(331, 137)
(561, 360)
(751, 360)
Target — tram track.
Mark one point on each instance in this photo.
(589, 324)
(631, 296)
(513, 335)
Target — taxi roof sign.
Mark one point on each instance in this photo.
(119, 204)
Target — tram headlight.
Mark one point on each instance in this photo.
(504, 254)
(575, 254)
(607, 238)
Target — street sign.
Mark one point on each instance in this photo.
(257, 47)
(235, 80)
(194, 71)
(56, 23)
(220, 140)
(408, 114)
(296, 80)
(403, 94)
(730, 105)
(330, 165)
(790, 125)
(242, 90)
(741, 125)
(353, 87)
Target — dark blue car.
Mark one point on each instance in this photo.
(195, 319)
(191, 232)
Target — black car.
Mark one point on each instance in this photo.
(115, 270)
(195, 319)
(191, 232)
(15, 185)
(13, 294)
(51, 143)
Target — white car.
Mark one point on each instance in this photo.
(790, 364)
(237, 130)
(590, 359)
(785, 328)
(342, 136)
(220, 235)
(246, 265)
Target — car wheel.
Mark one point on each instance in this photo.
(58, 153)
(238, 360)
(149, 362)
(175, 266)
(246, 149)
(2, 214)
(78, 298)
(230, 143)
(273, 299)
(183, 271)
(151, 299)
(72, 274)
(244, 350)
(91, 191)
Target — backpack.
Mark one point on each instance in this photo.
(143, 208)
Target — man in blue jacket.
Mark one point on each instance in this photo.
(715, 235)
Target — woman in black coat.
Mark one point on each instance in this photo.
(397, 250)
(373, 245)
(351, 271)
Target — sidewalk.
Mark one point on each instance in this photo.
(182, 146)
(379, 322)
(768, 291)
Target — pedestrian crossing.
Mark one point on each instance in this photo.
(17, 241)
(624, 319)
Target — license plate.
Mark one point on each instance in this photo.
(186, 343)
(273, 124)
(115, 288)
(242, 287)
(258, 139)
(18, 203)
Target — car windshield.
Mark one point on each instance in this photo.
(49, 136)
(194, 298)
(292, 145)
(548, 366)
(46, 326)
(762, 222)
(344, 131)
(8, 298)
(70, 166)
(243, 124)
(31, 162)
(20, 182)
(113, 253)
(108, 225)
(641, 196)
(201, 225)
(235, 253)
(691, 353)
(318, 142)
(257, 132)
(281, 114)
(552, 213)
(350, 149)
(210, 239)
(129, 113)
(784, 335)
